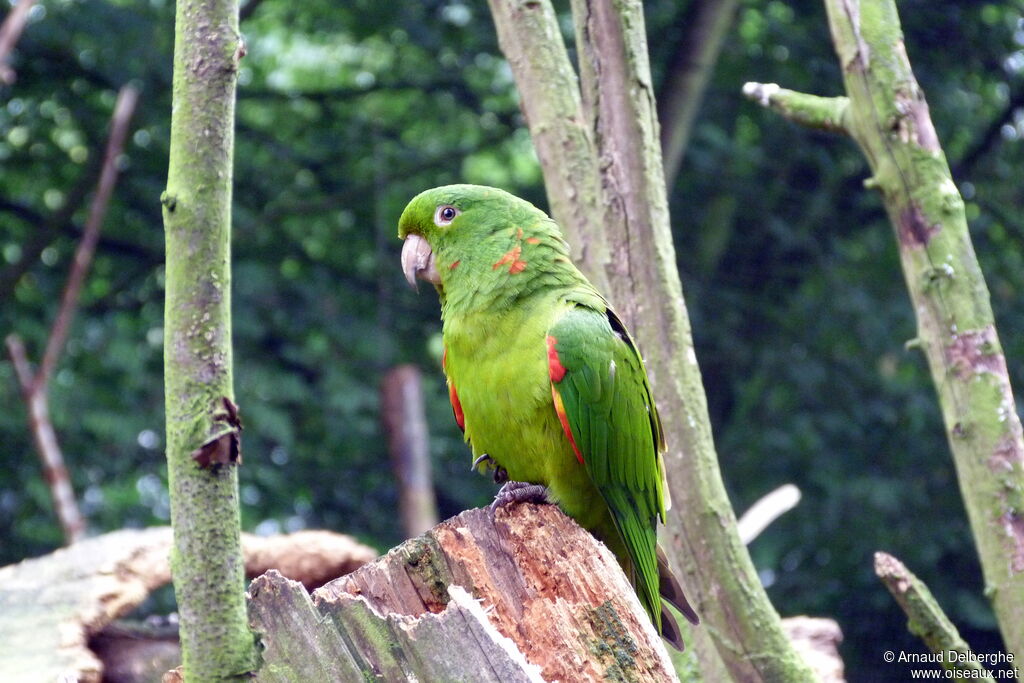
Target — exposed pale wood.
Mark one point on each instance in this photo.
(817, 640)
(766, 510)
(527, 597)
(49, 606)
(311, 557)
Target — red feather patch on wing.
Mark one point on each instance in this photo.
(557, 372)
(555, 368)
(564, 419)
(456, 406)
(460, 419)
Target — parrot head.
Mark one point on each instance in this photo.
(472, 232)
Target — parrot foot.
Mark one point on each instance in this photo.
(500, 474)
(519, 492)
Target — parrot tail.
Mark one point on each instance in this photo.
(672, 592)
(670, 629)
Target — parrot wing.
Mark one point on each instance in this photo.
(603, 400)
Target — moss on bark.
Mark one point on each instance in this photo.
(206, 559)
(888, 117)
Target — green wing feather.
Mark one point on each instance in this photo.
(615, 425)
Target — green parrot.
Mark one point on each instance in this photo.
(544, 380)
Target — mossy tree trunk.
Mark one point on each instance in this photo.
(886, 114)
(202, 425)
(603, 172)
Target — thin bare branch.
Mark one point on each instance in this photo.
(123, 110)
(10, 31)
(34, 385)
(54, 471)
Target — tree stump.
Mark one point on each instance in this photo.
(53, 608)
(528, 596)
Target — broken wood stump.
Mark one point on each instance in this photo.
(54, 609)
(528, 596)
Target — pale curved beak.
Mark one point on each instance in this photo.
(418, 261)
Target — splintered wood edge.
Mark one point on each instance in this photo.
(543, 582)
(343, 636)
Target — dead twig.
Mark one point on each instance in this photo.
(34, 386)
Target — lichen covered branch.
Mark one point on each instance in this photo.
(925, 618)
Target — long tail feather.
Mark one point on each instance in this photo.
(671, 590)
(670, 629)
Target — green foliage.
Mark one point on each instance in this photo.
(348, 110)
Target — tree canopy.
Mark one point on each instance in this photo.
(789, 269)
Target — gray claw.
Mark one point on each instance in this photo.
(486, 457)
(519, 492)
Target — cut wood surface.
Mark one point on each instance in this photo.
(529, 596)
(50, 606)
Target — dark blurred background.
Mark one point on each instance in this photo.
(345, 111)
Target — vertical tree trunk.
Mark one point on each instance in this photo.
(202, 424)
(891, 123)
(531, 40)
(626, 242)
(886, 114)
(704, 546)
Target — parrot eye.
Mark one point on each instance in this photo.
(445, 215)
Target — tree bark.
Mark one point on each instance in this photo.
(528, 596)
(887, 115)
(601, 159)
(202, 424)
(703, 542)
(925, 619)
(531, 40)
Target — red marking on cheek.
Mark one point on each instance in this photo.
(555, 368)
(564, 419)
(533, 240)
(454, 265)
